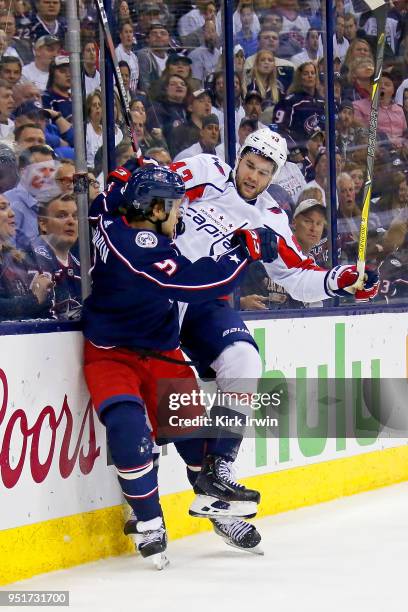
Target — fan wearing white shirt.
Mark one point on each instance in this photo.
(46, 49)
(94, 138)
(92, 75)
(6, 108)
(124, 52)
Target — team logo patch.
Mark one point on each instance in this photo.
(396, 263)
(146, 240)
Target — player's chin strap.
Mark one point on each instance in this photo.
(150, 354)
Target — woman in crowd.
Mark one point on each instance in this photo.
(391, 118)
(360, 78)
(94, 127)
(263, 78)
(357, 172)
(91, 74)
(302, 111)
(359, 49)
(179, 65)
(24, 292)
(395, 201)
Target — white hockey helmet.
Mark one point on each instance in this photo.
(268, 144)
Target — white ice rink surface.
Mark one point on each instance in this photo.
(350, 555)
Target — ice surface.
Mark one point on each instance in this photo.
(347, 555)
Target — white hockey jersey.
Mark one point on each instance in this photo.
(216, 210)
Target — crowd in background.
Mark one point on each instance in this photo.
(171, 60)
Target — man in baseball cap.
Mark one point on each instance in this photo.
(309, 221)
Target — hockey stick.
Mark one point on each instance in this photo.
(118, 80)
(381, 9)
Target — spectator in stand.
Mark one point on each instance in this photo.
(10, 70)
(46, 50)
(37, 168)
(22, 13)
(194, 19)
(196, 38)
(23, 92)
(321, 172)
(57, 96)
(145, 139)
(286, 46)
(179, 65)
(247, 36)
(161, 155)
(148, 13)
(186, 134)
(3, 42)
(171, 109)
(269, 41)
(293, 23)
(253, 107)
(208, 140)
(47, 20)
(311, 51)
(125, 53)
(6, 108)
(218, 100)
(24, 292)
(358, 49)
(15, 47)
(91, 74)
(359, 79)
(58, 131)
(94, 187)
(349, 217)
(8, 168)
(391, 118)
(137, 106)
(28, 135)
(152, 59)
(357, 173)
(205, 58)
(291, 179)
(239, 62)
(94, 138)
(122, 12)
(58, 223)
(350, 27)
(303, 110)
(125, 72)
(263, 79)
(313, 145)
(64, 176)
(345, 132)
(340, 42)
(388, 209)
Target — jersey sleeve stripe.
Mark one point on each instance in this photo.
(127, 263)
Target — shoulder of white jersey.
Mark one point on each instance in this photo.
(203, 170)
(266, 201)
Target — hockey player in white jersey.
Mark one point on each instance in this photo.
(222, 200)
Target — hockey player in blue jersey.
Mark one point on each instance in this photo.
(131, 327)
(222, 200)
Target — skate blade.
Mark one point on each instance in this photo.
(160, 561)
(256, 550)
(207, 507)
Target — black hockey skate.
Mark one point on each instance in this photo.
(218, 494)
(150, 539)
(238, 533)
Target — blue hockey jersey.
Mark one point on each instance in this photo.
(137, 278)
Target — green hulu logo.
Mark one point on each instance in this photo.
(347, 402)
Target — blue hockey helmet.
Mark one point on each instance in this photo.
(153, 183)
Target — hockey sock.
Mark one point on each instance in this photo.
(192, 452)
(131, 446)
